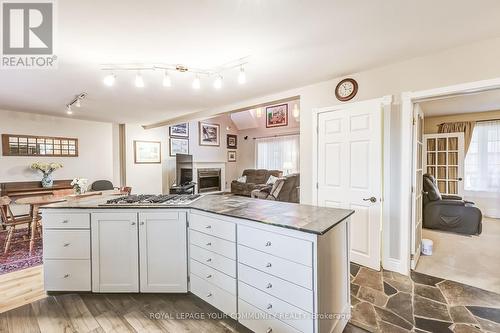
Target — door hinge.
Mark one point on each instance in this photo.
(317, 185)
(412, 189)
(414, 121)
(189, 278)
(412, 257)
(317, 129)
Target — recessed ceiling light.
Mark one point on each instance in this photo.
(242, 77)
(139, 81)
(109, 79)
(196, 83)
(218, 82)
(167, 81)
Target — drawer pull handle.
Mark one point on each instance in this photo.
(66, 244)
(142, 223)
(209, 259)
(208, 227)
(269, 306)
(209, 276)
(269, 330)
(209, 244)
(209, 295)
(133, 223)
(64, 221)
(269, 286)
(66, 276)
(268, 243)
(268, 265)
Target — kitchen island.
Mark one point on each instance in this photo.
(273, 266)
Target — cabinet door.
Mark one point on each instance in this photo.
(115, 262)
(163, 251)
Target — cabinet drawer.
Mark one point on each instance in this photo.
(214, 295)
(285, 269)
(66, 275)
(214, 260)
(66, 220)
(213, 226)
(286, 247)
(214, 244)
(285, 312)
(66, 244)
(212, 275)
(284, 290)
(260, 322)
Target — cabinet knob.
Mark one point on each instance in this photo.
(209, 244)
(268, 243)
(209, 295)
(268, 265)
(142, 223)
(209, 259)
(64, 221)
(133, 223)
(269, 286)
(208, 227)
(209, 276)
(66, 276)
(269, 306)
(66, 244)
(269, 330)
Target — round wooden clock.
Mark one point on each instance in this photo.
(346, 89)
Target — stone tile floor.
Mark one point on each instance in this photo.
(389, 302)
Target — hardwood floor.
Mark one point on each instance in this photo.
(26, 308)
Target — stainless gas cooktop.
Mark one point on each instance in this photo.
(152, 200)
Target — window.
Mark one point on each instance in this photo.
(278, 153)
(29, 145)
(482, 163)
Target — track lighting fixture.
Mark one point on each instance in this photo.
(68, 109)
(196, 83)
(242, 77)
(218, 82)
(109, 79)
(77, 101)
(167, 81)
(78, 104)
(139, 81)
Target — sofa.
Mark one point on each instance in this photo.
(449, 212)
(256, 179)
(285, 189)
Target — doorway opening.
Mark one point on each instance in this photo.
(456, 187)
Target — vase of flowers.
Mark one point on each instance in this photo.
(79, 185)
(46, 169)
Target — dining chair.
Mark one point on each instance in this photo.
(9, 222)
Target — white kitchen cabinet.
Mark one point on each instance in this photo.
(115, 262)
(163, 252)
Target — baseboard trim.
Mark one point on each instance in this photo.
(394, 265)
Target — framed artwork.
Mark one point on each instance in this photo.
(231, 156)
(180, 130)
(209, 134)
(179, 146)
(232, 141)
(277, 115)
(147, 152)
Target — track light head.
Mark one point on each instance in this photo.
(68, 109)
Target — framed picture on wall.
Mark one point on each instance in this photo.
(179, 146)
(277, 115)
(232, 141)
(209, 134)
(180, 130)
(147, 152)
(231, 156)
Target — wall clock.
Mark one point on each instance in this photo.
(346, 89)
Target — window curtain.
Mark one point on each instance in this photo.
(278, 153)
(467, 127)
(482, 168)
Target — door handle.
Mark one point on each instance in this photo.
(460, 179)
(371, 199)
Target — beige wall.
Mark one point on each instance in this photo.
(95, 145)
(431, 123)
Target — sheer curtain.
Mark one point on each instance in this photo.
(278, 153)
(482, 167)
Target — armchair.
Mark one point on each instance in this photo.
(449, 212)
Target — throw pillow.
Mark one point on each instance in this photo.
(277, 186)
(271, 180)
(242, 179)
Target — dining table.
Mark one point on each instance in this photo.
(35, 203)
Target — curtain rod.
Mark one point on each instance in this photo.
(277, 135)
(465, 121)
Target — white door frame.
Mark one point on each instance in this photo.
(384, 102)
(408, 99)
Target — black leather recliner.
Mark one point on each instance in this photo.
(449, 212)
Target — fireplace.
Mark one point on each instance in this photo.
(209, 180)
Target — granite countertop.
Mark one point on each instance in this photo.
(306, 218)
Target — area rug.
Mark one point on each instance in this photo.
(18, 256)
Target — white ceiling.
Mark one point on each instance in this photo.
(480, 102)
(291, 43)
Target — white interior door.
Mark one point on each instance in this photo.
(444, 159)
(418, 172)
(350, 174)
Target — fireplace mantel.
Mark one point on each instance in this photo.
(208, 165)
